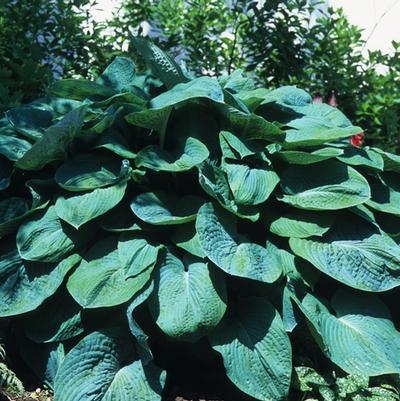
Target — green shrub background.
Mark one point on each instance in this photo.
(277, 43)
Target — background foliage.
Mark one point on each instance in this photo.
(280, 42)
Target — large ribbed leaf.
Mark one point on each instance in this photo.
(65, 322)
(189, 298)
(13, 148)
(14, 210)
(302, 224)
(360, 338)
(101, 367)
(162, 65)
(390, 160)
(313, 131)
(11, 209)
(327, 185)
(190, 153)
(235, 148)
(119, 75)
(250, 126)
(43, 359)
(30, 120)
(203, 87)
(161, 208)
(255, 349)
(251, 186)
(80, 89)
(185, 236)
(289, 96)
(355, 253)
(103, 270)
(141, 337)
(232, 252)
(6, 171)
(301, 157)
(79, 209)
(322, 110)
(214, 182)
(136, 254)
(386, 195)
(25, 285)
(87, 171)
(55, 142)
(362, 157)
(45, 238)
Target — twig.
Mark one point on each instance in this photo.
(378, 22)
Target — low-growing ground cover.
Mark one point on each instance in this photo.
(153, 223)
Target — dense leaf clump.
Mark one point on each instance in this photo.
(228, 213)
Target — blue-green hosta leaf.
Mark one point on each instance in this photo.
(253, 97)
(255, 349)
(328, 185)
(386, 195)
(43, 359)
(154, 119)
(214, 182)
(302, 224)
(162, 208)
(362, 157)
(141, 337)
(101, 367)
(13, 210)
(80, 209)
(232, 252)
(361, 338)
(116, 143)
(13, 148)
(191, 153)
(56, 105)
(136, 254)
(289, 318)
(251, 186)
(80, 89)
(93, 284)
(45, 238)
(300, 157)
(106, 119)
(198, 88)
(121, 219)
(332, 114)
(313, 131)
(25, 285)
(354, 253)
(185, 237)
(30, 120)
(390, 160)
(237, 81)
(65, 322)
(55, 142)
(249, 125)
(308, 379)
(128, 98)
(6, 171)
(162, 65)
(288, 96)
(119, 75)
(234, 148)
(189, 298)
(87, 171)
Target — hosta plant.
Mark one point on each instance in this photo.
(225, 214)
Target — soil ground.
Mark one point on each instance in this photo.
(45, 396)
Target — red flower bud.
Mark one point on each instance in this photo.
(357, 139)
